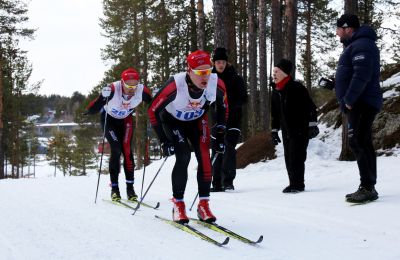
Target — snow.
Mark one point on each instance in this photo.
(55, 217)
(392, 81)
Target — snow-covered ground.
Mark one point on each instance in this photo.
(56, 218)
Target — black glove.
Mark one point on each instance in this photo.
(327, 83)
(218, 143)
(168, 149)
(272, 83)
(313, 131)
(275, 137)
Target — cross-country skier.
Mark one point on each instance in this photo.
(119, 99)
(178, 115)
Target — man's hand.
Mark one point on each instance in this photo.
(168, 149)
(275, 137)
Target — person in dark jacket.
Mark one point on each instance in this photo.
(358, 92)
(293, 112)
(224, 168)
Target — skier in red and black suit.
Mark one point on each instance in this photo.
(178, 116)
(119, 99)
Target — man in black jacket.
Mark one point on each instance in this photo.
(292, 111)
(357, 90)
(224, 168)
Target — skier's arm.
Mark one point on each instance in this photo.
(146, 96)
(166, 95)
(97, 104)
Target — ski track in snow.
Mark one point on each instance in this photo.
(56, 218)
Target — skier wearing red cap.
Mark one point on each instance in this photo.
(119, 99)
(178, 114)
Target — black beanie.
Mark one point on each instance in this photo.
(348, 20)
(285, 65)
(220, 54)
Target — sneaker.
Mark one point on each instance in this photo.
(179, 212)
(362, 195)
(291, 189)
(130, 192)
(204, 213)
(115, 196)
(217, 188)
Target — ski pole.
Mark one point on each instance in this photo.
(102, 151)
(144, 172)
(148, 188)
(212, 163)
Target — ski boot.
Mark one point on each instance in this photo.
(115, 196)
(204, 213)
(179, 212)
(130, 192)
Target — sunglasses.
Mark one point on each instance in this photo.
(205, 72)
(130, 86)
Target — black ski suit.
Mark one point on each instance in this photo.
(224, 168)
(291, 111)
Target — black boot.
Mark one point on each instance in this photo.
(362, 195)
(292, 189)
(228, 185)
(217, 188)
(115, 196)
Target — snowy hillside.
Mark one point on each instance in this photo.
(56, 218)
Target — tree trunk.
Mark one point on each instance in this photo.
(165, 44)
(276, 34)
(308, 55)
(291, 33)
(2, 171)
(264, 120)
(231, 32)
(201, 29)
(193, 27)
(252, 47)
(351, 7)
(220, 13)
(242, 66)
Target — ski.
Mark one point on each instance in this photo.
(131, 204)
(193, 231)
(144, 204)
(120, 203)
(214, 226)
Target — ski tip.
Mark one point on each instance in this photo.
(226, 241)
(260, 239)
(157, 206)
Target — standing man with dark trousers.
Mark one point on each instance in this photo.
(224, 168)
(358, 92)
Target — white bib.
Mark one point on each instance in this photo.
(120, 108)
(185, 108)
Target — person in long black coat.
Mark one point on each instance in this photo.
(293, 112)
(224, 168)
